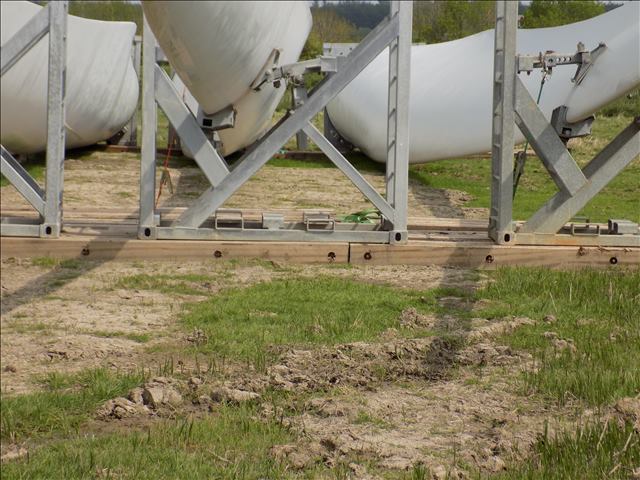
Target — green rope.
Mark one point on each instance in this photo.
(521, 157)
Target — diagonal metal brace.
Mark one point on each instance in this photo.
(599, 172)
(545, 141)
(25, 38)
(22, 181)
(350, 171)
(212, 165)
(265, 148)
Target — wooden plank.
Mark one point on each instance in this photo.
(487, 255)
(105, 248)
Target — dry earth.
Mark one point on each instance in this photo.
(111, 180)
(397, 401)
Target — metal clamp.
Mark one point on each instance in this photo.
(622, 227)
(548, 60)
(567, 130)
(229, 220)
(319, 222)
(272, 221)
(584, 229)
(275, 75)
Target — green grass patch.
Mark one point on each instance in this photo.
(358, 160)
(596, 309)
(591, 452)
(619, 199)
(35, 165)
(67, 402)
(231, 444)
(190, 284)
(245, 323)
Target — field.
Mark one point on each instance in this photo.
(253, 369)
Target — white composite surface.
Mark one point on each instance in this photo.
(451, 86)
(102, 86)
(218, 49)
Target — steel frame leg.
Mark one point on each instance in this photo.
(397, 168)
(52, 20)
(504, 71)
(147, 221)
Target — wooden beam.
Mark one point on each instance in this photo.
(488, 255)
(103, 248)
(468, 254)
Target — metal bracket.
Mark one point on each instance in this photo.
(548, 60)
(229, 220)
(623, 227)
(272, 221)
(567, 130)
(319, 222)
(225, 118)
(324, 64)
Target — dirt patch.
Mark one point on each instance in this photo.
(424, 423)
(111, 179)
(69, 319)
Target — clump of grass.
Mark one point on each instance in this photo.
(66, 403)
(365, 418)
(45, 262)
(246, 323)
(229, 445)
(596, 309)
(619, 199)
(591, 452)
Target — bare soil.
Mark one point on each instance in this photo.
(111, 180)
(443, 401)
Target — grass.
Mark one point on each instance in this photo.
(66, 403)
(246, 323)
(181, 449)
(592, 452)
(619, 199)
(35, 165)
(50, 262)
(596, 309)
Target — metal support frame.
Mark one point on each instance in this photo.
(513, 105)
(195, 222)
(52, 19)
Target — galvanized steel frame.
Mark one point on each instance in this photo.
(52, 19)
(395, 33)
(513, 105)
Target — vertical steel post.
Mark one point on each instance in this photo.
(146, 226)
(504, 71)
(397, 171)
(52, 220)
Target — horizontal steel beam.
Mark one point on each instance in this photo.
(22, 41)
(211, 164)
(22, 181)
(350, 171)
(255, 159)
(545, 141)
(599, 172)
